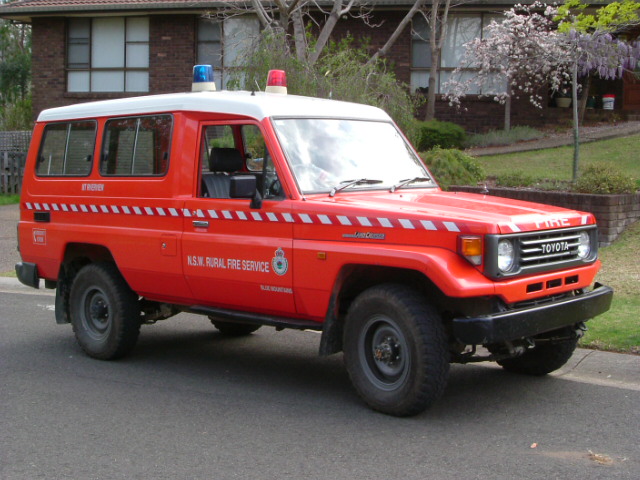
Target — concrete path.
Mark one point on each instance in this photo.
(587, 134)
(9, 215)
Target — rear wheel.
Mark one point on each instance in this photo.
(104, 312)
(232, 329)
(548, 355)
(395, 350)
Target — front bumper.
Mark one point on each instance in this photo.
(532, 321)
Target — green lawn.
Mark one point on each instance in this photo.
(9, 199)
(619, 328)
(556, 163)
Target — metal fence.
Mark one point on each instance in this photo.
(13, 152)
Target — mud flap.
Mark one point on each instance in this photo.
(62, 301)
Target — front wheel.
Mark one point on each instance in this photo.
(395, 350)
(105, 314)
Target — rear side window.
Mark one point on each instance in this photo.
(137, 146)
(67, 149)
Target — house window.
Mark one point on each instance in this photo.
(222, 44)
(108, 54)
(461, 29)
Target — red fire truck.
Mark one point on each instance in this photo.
(261, 208)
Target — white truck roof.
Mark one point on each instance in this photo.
(256, 105)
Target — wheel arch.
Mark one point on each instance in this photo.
(76, 256)
(354, 279)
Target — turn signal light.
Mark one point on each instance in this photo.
(471, 249)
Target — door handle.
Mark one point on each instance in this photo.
(201, 223)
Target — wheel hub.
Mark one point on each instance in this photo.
(99, 309)
(387, 351)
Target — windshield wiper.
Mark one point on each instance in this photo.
(350, 183)
(408, 181)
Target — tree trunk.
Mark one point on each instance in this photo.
(585, 98)
(435, 60)
(396, 33)
(336, 12)
(576, 127)
(507, 111)
(433, 86)
(299, 37)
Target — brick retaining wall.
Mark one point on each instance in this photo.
(613, 213)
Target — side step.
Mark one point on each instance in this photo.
(256, 319)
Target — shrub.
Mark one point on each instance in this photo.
(16, 115)
(502, 137)
(602, 178)
(515, 179)
(453, 167)
(435, 133)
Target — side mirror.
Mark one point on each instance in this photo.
(243, 186)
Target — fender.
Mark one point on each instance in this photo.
(452, 274)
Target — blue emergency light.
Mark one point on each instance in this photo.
(203, 79)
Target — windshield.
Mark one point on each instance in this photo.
(327, 154)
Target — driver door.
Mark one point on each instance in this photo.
(235, 256)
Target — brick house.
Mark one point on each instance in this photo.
(96, 49)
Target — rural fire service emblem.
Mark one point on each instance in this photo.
(280, 263)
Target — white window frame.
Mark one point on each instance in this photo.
(107, 54)
(420, 39)
(224, 50)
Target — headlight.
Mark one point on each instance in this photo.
(584, 245)
(506, 255)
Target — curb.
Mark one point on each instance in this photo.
(602, 368)
(13, 285)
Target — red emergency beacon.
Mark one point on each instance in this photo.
(277, 82)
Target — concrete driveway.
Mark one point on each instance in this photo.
(9, 215)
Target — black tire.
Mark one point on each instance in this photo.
(232, 329)
(105, 312)
(395, 350)
(543, 358)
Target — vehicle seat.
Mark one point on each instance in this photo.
(222, 162)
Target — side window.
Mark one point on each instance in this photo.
(219, 158)
(214, 136)
(137, 146)
(256, 154)
(232, 150)
(254, 147)
(67, 149)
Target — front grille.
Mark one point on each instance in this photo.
(548, 249)
(541, 251)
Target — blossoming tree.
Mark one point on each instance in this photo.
(518, 56)
(526, 53)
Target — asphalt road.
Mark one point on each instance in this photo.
(191, 404)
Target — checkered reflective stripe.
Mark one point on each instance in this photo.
(357, 221)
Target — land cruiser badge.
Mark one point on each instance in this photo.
(280, 263)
